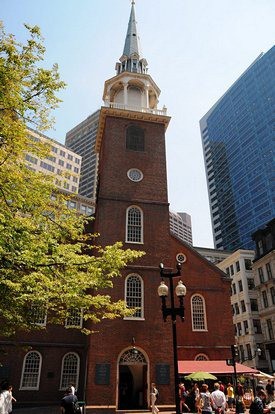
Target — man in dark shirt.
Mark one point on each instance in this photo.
(258, 405)
(67, 402)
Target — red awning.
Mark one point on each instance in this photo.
(213, 367)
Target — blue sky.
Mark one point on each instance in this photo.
(195, 50)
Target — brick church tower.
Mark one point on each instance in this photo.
(126, 356)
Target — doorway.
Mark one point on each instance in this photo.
(132, 381)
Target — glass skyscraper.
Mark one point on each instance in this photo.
(238, 135)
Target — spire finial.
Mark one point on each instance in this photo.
(133, 2)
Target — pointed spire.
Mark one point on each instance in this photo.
(132, 42)
(131, 60)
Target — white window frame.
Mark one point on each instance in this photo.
(141, 297)
(139, 226)
(73, 317)
(37, 372)
(74, 378)
(39, 315)
(196, 329)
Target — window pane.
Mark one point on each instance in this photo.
(134, 225)
(31, 371)
(134, 294)
(198, 313)
(70, 369)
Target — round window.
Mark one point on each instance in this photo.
(135, 175)
(181, 258)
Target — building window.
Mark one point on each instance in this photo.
(134, 295)
(261, 275)
(134, 225)
(38, 314)
(250, 284)
(237, 309)
(254, 305)
(272, 294)
(31, 371)
(201, 357)
(241, 352)
(135, 138)
(243, 306)
(234, 288)
(257, 326)
(265, 300)
(237, 266)
(198, 313)
(245, 325)
(240, 283)
(239, 328)
(247, 264)
(74, 320)
(231, 270)
(248, 350)
(269, 271)
(270, 329)
(69, 370)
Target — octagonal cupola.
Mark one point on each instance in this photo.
(132, 88)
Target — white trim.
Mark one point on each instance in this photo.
(204, 313)
(136, 318)
(75, 316)
(35, 388)
(141, 225)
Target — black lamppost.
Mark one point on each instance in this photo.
(180, 292)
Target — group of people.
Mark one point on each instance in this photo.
(221, 399)
(6, 399)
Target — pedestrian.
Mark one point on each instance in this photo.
(68, 402)
(240, 405)
(154, 396)
(204, 400)
(6, 399)
(73, 389)
(218, 399)
(230, 395)
(183, 394)
(270, 391)
(258, 404)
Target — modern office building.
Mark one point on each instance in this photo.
(238, 144)
(81, 139)
(61, 162)
(64, 165)
(180, 226)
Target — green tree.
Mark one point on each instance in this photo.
(47, 260)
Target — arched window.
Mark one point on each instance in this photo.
(134, 295)
(69, 370)
(134, 138)
(30, 377)
(198, 313)
(201, 357)
(134, 225)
